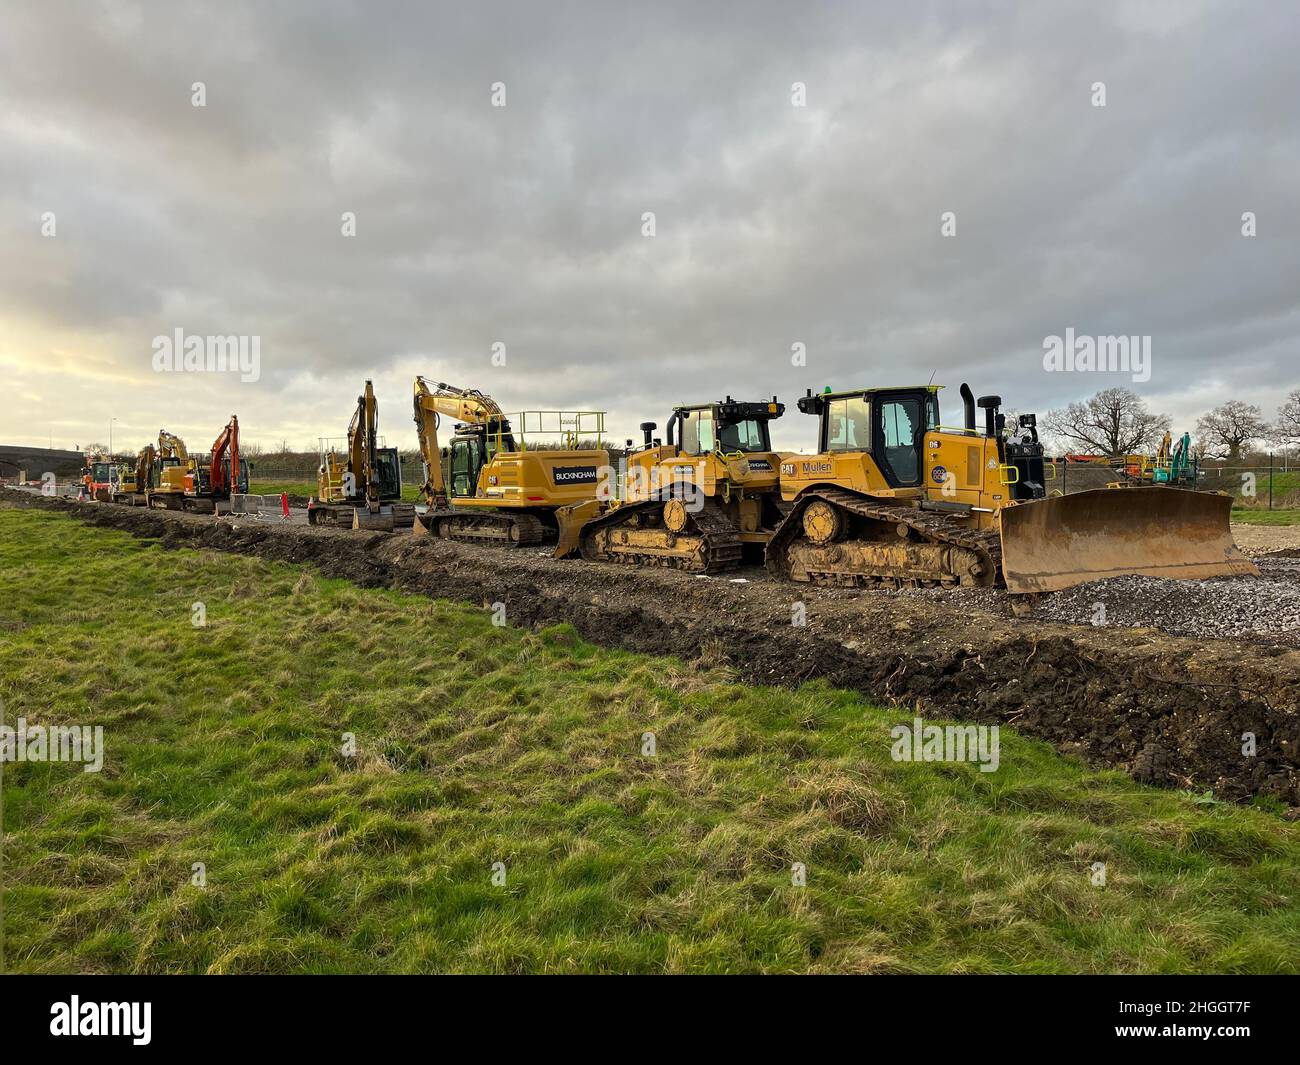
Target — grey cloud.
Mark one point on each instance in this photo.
(522, 224)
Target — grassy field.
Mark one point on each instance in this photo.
(479, 745)
(1255, 516)
(410, 492)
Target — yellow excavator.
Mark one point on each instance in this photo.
(893, 497)
(497, 488)
(364, 489)
(134, 490)
(698, 501)
(175, 466)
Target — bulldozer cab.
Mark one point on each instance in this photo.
(890, 424)
(728, 427)
(891, 442)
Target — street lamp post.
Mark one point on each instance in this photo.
(110, 437)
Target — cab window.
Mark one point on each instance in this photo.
(901, 421)
(465, 464)
(708, 439)
(690, 432)
(698, 436)
(848, 425)
(748, 436)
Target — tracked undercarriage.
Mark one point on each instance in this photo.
(388, 517)
(837, 537)
(178, 501)
(507, 528)
(664, 533)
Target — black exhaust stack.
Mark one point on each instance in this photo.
(648, 428)
(989, 405)
(968, 401)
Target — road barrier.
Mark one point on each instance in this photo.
(261, 507)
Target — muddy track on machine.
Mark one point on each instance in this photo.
(1169, 710)
(531, 531)
(932, 525)
(721, 544)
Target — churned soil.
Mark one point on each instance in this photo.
(1168, 709)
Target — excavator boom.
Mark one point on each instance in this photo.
(460, 404)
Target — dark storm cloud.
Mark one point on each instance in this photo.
(775, 224)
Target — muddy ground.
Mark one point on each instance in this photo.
(1169, 710)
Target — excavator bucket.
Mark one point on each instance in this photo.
(1054, 543)
(384, 518)
(380, 520)
(570, 520)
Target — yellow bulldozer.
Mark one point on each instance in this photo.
(362, 489)
(497, 489)
(698, 501)
(893, 497)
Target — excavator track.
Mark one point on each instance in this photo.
(631, 536)
(510, 530)
(926, 548)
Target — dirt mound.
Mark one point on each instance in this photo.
(1171, 711)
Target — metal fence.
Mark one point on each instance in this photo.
(1262, 485)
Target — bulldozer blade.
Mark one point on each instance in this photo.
(570, 521)
(1058, 542)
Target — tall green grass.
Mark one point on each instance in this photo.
(410, 492)
(479, 745)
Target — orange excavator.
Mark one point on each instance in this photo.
(213, 482)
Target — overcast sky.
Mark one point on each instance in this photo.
(775, 224)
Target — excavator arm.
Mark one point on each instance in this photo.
(171, 446)
(227, 440)
(144, 468)
(461, 404)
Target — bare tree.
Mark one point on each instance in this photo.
(1227, 429)
(1115, 422)
(1287, 426)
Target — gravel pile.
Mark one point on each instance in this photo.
(1268, 605)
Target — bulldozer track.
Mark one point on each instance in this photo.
(511, 530)
(931, 526)
(722, 547)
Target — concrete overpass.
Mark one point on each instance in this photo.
(35, 461)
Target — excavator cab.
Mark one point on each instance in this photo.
(472, 448)
(468, 457)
